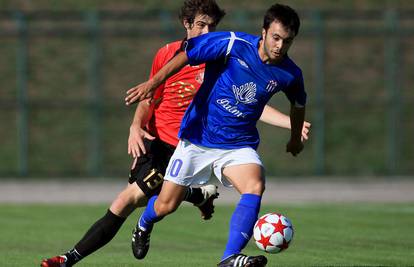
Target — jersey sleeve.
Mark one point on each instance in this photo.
(296, 91)
(158, 62)
(208, 47)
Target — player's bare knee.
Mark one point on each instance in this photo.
(259, 188)
(163, 208)
(129, 199)
(168, 208)
(256, 188)
(137, 196)
(121, 206)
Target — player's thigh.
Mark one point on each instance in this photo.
(246, 178)
(149, 170)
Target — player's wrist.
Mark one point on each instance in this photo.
(154, 82)
(135, 125)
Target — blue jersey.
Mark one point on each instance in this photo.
(237, 85)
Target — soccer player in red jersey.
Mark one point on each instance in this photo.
(153, 137)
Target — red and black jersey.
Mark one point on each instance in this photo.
(173, 97)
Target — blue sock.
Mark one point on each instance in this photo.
(149, 217)
(242, 223)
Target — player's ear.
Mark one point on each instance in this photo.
(187, 25)
(263, 33)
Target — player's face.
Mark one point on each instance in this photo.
(276, 42)
(202, 24)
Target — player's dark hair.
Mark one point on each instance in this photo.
(192, 8)
(283, 14)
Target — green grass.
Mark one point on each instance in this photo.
(325, 235)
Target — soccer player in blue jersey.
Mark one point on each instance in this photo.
(218, 135)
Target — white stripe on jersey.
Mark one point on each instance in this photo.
(233, 38)
(231, 43)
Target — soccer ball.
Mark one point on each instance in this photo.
(273, 232)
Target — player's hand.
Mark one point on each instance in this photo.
(140, 92)
(136, 146)
(294, 147)
(305, 131)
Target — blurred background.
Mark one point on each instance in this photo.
(65, 66)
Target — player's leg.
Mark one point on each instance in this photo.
(169, 199)
(186, 165)
(201, 197)
(128, 200)
(141, 233)
(246, 174)
(248, 181)
(104, 229)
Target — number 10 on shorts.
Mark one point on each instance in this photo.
(176, 167)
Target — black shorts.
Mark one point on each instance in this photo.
(150, 168)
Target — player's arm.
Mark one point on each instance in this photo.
(146, 90)
(144, 112)
(274, 117)
(297, 117)
(201, 49)
(297, 97)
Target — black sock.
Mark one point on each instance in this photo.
(100, 233)
(194, 195)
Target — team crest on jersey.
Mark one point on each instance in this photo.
(200, 77)
(271, 86)
(245, 93)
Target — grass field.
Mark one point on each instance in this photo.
(325, 235)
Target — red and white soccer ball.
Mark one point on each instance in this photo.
(273, 232)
